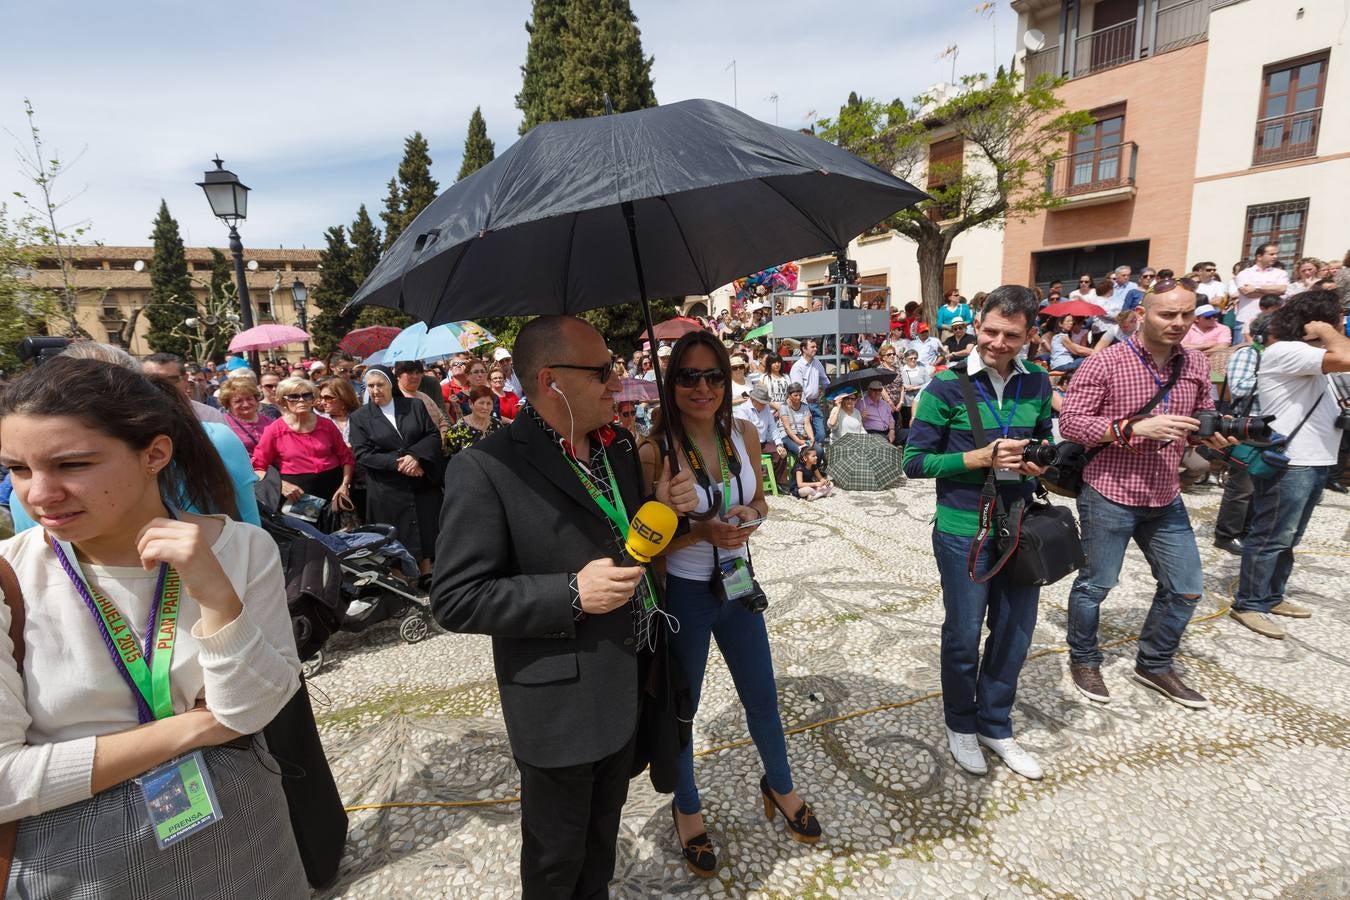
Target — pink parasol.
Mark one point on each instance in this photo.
(267, 337)
(1073, 308)
(636, 390)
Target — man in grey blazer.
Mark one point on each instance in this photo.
(527, 554)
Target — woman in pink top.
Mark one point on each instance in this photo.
(308, 449)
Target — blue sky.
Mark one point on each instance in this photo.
(309, 103)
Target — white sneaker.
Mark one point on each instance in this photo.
(966, 751)
(1014, 757)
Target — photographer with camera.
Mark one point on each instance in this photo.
(1139, 398)
(1014, 405)
(1304, 345)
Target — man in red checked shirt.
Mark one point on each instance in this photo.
(1131, 489)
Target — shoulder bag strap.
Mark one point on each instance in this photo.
(992, 513)
(1177, 365)
(9, 583)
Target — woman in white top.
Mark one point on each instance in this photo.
(1084, 290)
(845, 418)
(716, 447)
(775, 382)
(915, 378)
(146, 634)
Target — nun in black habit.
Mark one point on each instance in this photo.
(399, 448)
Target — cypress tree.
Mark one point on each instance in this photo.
(479, 150)
(392, 215)
(602, 53)
(365, 241)
(222, 275)
(417, 186)
(331, 294)
(543, 63)
(171, 296)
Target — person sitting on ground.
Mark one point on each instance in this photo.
(808, 482)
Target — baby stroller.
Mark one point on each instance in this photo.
(376, 577)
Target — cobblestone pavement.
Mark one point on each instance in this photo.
(1140, 798)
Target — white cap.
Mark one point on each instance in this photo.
(316, 366)
(500, 354)
(664, 351)
(1205, 309)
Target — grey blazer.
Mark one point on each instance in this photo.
(516, 522)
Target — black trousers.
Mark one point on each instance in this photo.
(1236, 507)
(569, 823)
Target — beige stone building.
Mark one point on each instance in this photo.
(112, 290)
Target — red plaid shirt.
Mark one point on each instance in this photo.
(1114, 384)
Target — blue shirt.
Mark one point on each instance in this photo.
(811, 376)
(237, 464)
(947, 313)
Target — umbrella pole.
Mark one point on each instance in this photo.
(628, 216)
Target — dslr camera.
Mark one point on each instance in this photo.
(1247, 429)
(1042, 455)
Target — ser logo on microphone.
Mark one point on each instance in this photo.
(647, 531)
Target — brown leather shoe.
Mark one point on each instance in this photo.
(1088, 680)
(1291, 610)
(1170, 686)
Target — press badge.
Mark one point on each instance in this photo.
(179, 798)
(737, 581)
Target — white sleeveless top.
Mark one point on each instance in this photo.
(695, 561)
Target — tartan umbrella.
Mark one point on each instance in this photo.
(865, 462)
(364, 341)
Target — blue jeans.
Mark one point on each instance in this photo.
(792, 446)
(744, 642)
(978, 694)
(817, 426)
(1281, 509)
(1164, 534)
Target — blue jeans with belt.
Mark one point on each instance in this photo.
(978, 692)
(1281, 508)
(744, 642)
(1164, 534)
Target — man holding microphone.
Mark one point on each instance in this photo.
(531, 530)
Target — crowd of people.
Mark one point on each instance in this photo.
(513, 489)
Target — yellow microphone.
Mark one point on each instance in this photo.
(650, 530)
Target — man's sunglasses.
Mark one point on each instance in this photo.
(306, 397)
(604, 371)
(689, 378)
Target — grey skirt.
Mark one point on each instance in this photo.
(104, 847)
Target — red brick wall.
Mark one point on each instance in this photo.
(1162, 111)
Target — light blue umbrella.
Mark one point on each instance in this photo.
(416, 342)
(374, 359)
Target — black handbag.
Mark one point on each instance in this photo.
(1065, 477)
(1037, 542)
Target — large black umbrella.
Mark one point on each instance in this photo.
(667, 201)
(595, 212)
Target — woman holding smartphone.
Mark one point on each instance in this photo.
(710, 587)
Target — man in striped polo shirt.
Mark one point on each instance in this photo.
(1014, 406)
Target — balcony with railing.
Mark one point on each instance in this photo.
(1163, 28)
(1291, 136)
(1092, 177)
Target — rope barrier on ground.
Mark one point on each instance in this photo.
(812, 726)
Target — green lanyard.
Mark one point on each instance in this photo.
(612, 512)
(150, 682)
(696, 458)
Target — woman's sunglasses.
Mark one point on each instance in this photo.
(306, 397)
(689, 378)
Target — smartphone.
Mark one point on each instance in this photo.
(752, 523)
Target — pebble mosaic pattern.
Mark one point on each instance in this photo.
(1141, 798)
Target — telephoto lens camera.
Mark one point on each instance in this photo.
(41, 347)
(1247, 429)
(1040, 454)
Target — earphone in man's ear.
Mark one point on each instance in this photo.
(553, 386)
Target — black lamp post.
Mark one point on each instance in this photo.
(299, 296)
(228, 197)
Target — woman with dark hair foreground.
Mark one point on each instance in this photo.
(710, 585)
(151, 642)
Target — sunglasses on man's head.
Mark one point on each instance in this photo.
(604, 371)
(689, 378)
(306, 397)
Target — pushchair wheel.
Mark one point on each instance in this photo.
(414, 628)
(310, 667)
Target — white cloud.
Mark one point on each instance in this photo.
(309, 103)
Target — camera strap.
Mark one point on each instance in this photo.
(993, 514)
(1178, 363)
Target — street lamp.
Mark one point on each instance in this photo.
(228, 197)
(299, 297)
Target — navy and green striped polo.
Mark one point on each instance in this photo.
(940, 433)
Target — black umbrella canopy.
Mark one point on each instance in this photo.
(714, 194)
